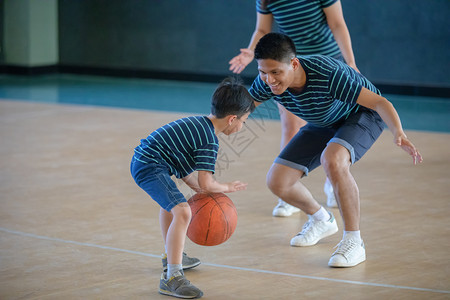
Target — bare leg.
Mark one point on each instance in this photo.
(176, 232)
(336, 163)
(165, 218)
(290, 125)
(284, 182)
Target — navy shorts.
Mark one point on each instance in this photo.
(155, 180)
(357, 133)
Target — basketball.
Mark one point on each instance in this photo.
(214, 219)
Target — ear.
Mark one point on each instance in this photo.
(230, 119)
(295, 63)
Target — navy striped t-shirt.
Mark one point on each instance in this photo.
(329, 95)
(184, 146)
(305, 23)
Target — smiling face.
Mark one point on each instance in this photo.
(279, 76)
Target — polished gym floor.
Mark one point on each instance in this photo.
(74, 225)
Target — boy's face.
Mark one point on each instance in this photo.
(236, 124)
(279, 76)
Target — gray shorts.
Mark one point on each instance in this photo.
(357, 133)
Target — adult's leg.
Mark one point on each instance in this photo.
(284, 182)
(351, 141)
(336, 162)
(290, 125)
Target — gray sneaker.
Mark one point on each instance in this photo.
(178, 286)
(187, 262)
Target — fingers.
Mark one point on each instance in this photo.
(237, 69)
(237, 186)
(241, 186)
(417, 157)
(236, 66)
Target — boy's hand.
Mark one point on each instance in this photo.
(402, 141)
(235, 186)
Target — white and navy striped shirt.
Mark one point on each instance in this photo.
(184, 146)
(329, 95)
(305, 23)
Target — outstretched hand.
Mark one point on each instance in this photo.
(239, 62)
(403, 142)
(235, 186)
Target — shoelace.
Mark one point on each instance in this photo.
(306, 227)
(345, 247)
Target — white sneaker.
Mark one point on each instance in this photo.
(313, 231)
(284, 209)
(328, 190)
(349, 253)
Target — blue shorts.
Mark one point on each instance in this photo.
(155, 180)
(357, 133)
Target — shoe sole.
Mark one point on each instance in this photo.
(347, 265)
(169, 293)
(332, 205)
(191, 266)
(284, 214)
(327, 234)
(331, 202)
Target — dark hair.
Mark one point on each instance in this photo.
(231, 98)
(275, 46)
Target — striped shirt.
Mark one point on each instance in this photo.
(305, 23)
(329, 95)
(184, 146)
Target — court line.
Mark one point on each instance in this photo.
(41, 237)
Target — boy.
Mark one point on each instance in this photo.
(180, 148)
(345, 114)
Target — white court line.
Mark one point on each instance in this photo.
(226, 266)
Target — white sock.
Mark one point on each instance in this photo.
(173, 268)
(321, 215)
(354, 235)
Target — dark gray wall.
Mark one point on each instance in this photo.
(400, 42)
(2, 56)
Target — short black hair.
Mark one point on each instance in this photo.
(231, 97)
(275, 46)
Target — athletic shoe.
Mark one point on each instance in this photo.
(313, 231)
(349, 253)
(187, 262)
(178, 286)
(328, 189)
(284, 209)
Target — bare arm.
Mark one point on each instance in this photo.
(389, 115)
(192, 182)
(207, 183)
(336, 22)
(263, 26)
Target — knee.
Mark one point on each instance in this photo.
(276, 184)
(182, 213)
(333, 165)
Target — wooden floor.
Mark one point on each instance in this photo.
(73, 224)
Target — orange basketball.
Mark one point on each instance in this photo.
(214, 219)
